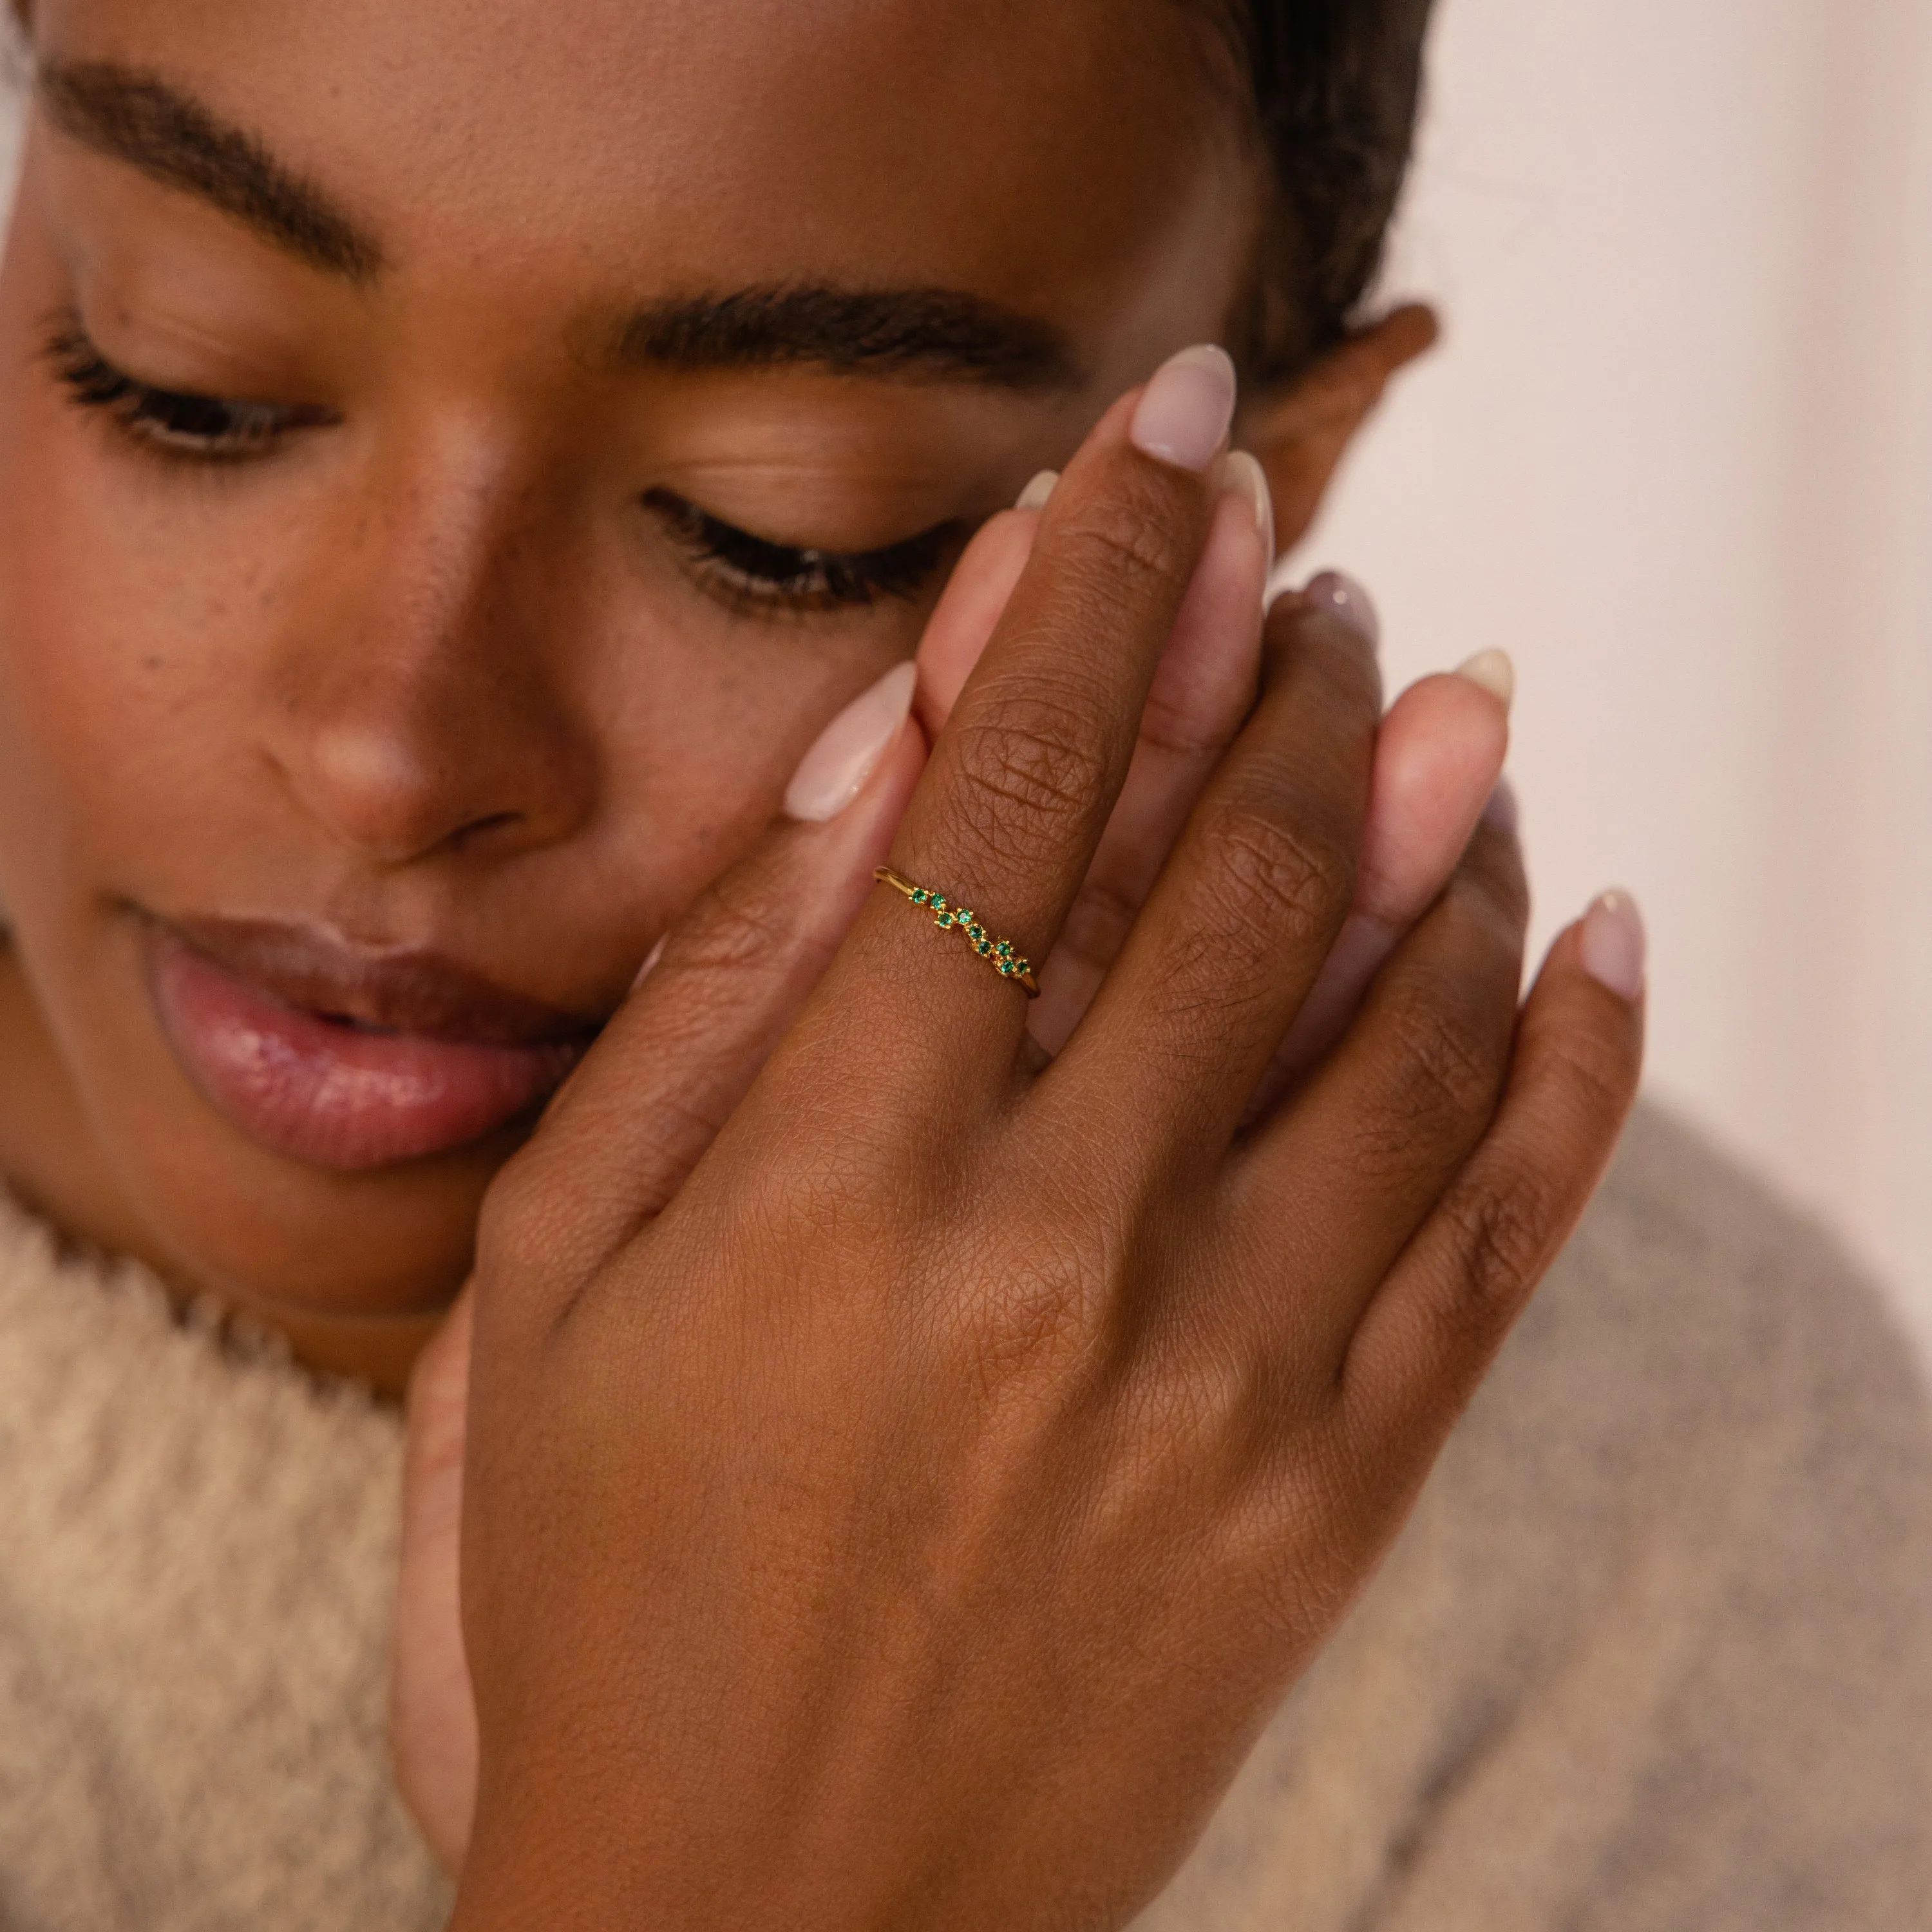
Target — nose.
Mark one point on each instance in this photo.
(419, 700)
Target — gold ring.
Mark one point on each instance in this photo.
(997, 953)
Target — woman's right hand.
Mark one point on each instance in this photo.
(912, 1519)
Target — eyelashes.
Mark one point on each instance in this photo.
(205, 429)
(741, 570)
(749, 571)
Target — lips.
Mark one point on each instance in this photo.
(350, 1059)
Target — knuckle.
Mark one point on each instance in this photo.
(1500, 1235)
(1451, 1062)
(1129, 546)
(737, 925)
(1596, 1074)
(1031, 769)
(1272, 883)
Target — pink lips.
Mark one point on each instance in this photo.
(310, 1051)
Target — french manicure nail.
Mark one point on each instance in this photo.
(1037, 494)
(1613, 945)
(1494, 672)
(1342, 598)
(834, 772)
(1184, 414)
(1244, 476)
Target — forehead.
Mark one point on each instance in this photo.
(1044, 156)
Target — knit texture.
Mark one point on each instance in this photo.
(197, 1555)
(1654, 1655)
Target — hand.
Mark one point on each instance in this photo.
(1437, 760)
(914, 1519)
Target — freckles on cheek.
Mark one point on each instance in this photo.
(122, 663)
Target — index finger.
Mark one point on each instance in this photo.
(1013, 803)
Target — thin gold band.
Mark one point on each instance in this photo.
(997, 953)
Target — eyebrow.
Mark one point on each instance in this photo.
(934, 334)
(135, 116)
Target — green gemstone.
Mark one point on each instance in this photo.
(939, 901)
(944, 919)
(1005, 948)
(921, 897)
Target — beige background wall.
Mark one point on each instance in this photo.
(1677, 457)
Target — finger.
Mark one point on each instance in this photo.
(1438, 759)
(645, 1105)
(975, 596)
(1339, 1182)
(1436, 1322)
(432, 1713)
(1201, 692)
(1248, 907)
(1023, 779)
(651, 1095)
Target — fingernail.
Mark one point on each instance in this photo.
(651, 959)
(1245, 477)
(1036, 495)
(1494, 672)
(1613, 945)
(1184, 415)
(1342, 597)
(834, 772)
(1502, 812)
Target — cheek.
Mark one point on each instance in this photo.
(165, 643)
(169, 641)
(116, 657)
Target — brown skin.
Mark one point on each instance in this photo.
(907, 1515)
(869, 1480)
(291, 689)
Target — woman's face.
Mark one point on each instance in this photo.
(361, 731)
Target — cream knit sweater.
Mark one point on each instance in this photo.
(1656, 1652)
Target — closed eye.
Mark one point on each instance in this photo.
(746, 571)
(752, 571)
(172, 422)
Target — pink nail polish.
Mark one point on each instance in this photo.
(1613, 945)
(1342, 597)
(834, 772)
(1184, 415)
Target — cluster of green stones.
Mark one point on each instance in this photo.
(997, 953)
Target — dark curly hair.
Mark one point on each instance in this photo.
(1334, 86)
